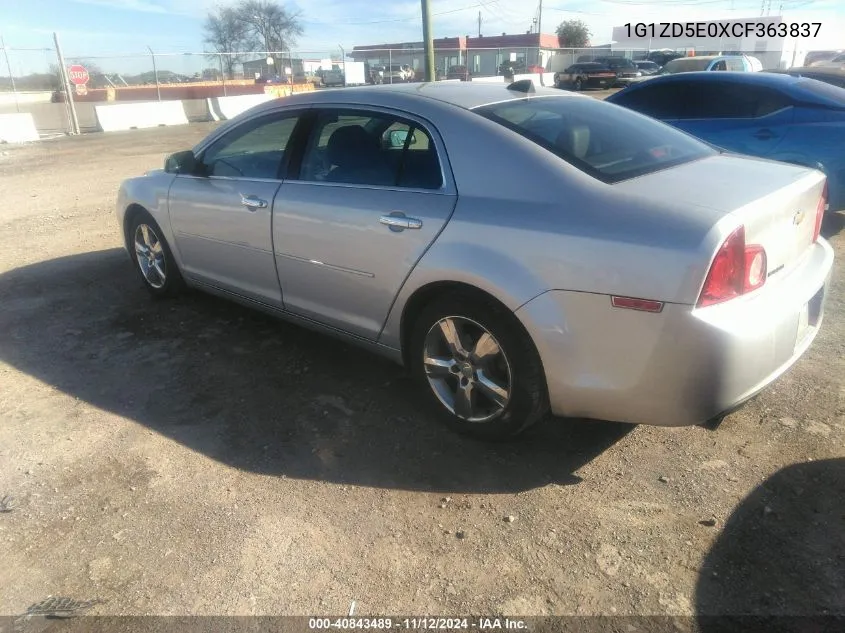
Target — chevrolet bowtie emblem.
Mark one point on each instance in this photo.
(798, 218)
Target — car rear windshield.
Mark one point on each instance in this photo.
(833, 95)
(606, 141)
(687, 64)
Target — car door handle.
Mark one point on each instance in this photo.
(253, 202)
(400, 222)
(764, 134)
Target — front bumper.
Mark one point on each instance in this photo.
(680, 366)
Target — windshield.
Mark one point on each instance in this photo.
(606, 141)
(687, 64)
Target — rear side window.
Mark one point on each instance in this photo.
(659, 100)
(609, 143)
(728, 100)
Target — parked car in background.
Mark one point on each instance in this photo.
(398, 73)
(624, 68)
(510, 68)
(459, 72)
(419, 74)
(585, 75)
(777, 116)
(374, 73)
(647, 67)
(676, 297)
(831, 76)
(815, 57)
(739, 63)
(837, 62)
(333, 77)
(663, 57)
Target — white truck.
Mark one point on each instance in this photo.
(356, 73)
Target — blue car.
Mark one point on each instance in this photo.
(780, 117)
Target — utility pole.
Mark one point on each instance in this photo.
(540, 34)
(428, 41)
(479, 24)
(11, 76)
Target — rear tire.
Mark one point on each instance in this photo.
(491, 385)
(153, 258)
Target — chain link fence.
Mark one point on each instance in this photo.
(31, 79)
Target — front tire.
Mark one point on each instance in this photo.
(578, 85)
(477, 367)
(153, 258)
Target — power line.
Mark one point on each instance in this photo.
(408, 19)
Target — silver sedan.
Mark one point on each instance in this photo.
(520, 251)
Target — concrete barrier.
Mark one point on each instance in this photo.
(18, 98)
(222, 108)
(130, 116)
(499, 79)
(17, 128)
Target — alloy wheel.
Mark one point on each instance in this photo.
(150, 255)
(467, 369)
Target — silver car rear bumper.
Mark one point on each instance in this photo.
(680, 366)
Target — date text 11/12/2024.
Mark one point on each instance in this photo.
(417, 623)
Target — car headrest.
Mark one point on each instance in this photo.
(351, 145)
(575, 140)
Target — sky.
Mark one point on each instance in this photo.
(104, 29)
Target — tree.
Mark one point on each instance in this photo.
(573, 34)
(228, 36)
(274, 26)
(250, 25)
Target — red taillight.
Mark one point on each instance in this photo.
(820, 209)
(736, 270)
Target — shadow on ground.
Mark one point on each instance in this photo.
(833, 224)
(256, 393)
(781, 553)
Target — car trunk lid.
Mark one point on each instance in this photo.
(776, 202)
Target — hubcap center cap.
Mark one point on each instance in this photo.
(467, 371)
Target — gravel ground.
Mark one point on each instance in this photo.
(194, 457)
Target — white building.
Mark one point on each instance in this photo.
(757, 36)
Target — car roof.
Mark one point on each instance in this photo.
(774, 80)
(712, 57)
(464, 94)
(811, 70)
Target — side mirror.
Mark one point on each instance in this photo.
(182, 163)
(398, 138)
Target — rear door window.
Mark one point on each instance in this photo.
(609, 143)
(370, 148)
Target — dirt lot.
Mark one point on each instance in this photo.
(193, 457)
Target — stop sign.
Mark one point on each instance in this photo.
(78, 75)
